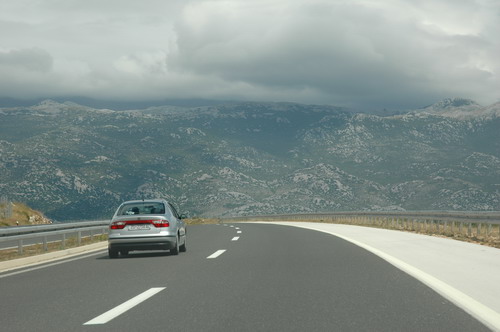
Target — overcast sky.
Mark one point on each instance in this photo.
(366, 54)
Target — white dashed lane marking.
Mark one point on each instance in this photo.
(235, 238)
(216, 254)
(117, 311)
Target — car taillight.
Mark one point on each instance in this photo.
(155, 223)
(117, 225)
(160, 223)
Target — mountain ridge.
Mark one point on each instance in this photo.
(78, 162)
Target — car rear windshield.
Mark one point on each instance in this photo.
(141, 208)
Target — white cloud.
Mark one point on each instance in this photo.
(362, 53)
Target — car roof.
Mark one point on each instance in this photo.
(146, 201)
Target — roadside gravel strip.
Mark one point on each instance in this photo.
(51, 257)
(464, 273)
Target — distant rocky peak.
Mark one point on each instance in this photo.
(50, 106)
(49, 102)
(455, 108)
(454, 103)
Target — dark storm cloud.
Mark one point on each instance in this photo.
(359, 53)
(344, 52)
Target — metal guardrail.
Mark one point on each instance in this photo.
(18, 230)
(40, 234)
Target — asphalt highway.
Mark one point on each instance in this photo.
(240, 277)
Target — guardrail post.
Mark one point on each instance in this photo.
(63, 241)
(79, 238)
(469, 229)
(478, 229)
(45, 248)
(20, 247)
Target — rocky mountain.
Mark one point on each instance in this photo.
(78, 162)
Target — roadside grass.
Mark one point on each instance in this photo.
(202, 221)
(21, 214)
(454, 230)
(37, 249)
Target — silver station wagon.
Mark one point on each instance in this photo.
(146, 225)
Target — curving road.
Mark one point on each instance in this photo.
(241, 277)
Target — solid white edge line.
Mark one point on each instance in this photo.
(117, 311)
(216, 254)
(235, 238)
(484, 314)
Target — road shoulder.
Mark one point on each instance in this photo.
(464, 273)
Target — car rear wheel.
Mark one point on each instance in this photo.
(183, 248)
(175, 249)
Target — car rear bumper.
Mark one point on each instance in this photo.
(143, 243)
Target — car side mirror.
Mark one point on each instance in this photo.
(183, 216)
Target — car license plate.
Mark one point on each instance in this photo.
(138, 227)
